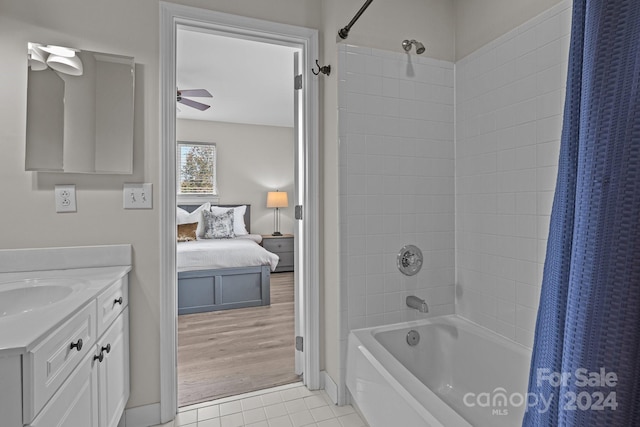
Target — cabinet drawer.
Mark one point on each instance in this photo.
(111, 303)
(49, 364)
(278, 245)
(286, 259)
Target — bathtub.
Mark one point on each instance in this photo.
(459, 374)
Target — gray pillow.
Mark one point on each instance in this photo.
(218, 226)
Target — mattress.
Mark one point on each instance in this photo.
(208, 254)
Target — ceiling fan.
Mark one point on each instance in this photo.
(195, 93)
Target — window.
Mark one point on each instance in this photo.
(197, 168)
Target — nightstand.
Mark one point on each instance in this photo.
(281, 246)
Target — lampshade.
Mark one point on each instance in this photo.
(68, 65)
(37, 58)
(66, 52)
(277, 199)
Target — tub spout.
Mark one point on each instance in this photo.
(417, 303)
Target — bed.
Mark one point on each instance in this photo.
(222, 274)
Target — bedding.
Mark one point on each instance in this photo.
(224, 253)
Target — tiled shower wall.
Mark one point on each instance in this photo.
(509, 103)
(396, 129)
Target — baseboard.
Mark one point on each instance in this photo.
(329, 386)
(141, 416)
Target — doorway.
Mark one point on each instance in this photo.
(307, 264)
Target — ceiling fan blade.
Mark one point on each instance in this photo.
(194, 104)
(197, 93)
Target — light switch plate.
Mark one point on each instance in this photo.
(137, 196)
(65, 196)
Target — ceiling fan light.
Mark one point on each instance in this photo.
(67, 65)
(66, 52)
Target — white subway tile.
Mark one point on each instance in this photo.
(526, 65)
(548, 30)
(548, 153)
(527, 295)
(356, 63)
(552, 78)
(372, 85)
(524, 337)
(526, 42)
(546, 178)
(373, 65)
(526, 317)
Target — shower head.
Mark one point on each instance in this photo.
(406, 44)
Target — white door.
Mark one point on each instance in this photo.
(299, 171)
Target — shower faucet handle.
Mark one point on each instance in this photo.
(409, 260)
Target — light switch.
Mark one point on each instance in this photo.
(137, 196)
(65, 198)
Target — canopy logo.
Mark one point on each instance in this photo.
(581, 390)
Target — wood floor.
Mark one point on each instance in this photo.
(231, 352)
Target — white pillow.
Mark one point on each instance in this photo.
(181, 213)
(196, 216)
(239, 227)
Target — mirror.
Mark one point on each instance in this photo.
(79, 111)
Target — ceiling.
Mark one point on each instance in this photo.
(251, 82)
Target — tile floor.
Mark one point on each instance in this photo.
(292, 405)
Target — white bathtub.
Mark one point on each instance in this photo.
(459, 374)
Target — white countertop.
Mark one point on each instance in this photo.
(21, 332)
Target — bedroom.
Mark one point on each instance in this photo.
(247, 135)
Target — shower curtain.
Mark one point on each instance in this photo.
(585, 367)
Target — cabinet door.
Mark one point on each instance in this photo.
(113, 371)
(75, 404)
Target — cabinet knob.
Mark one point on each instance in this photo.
(77, 345)
(118, 301)
(99, 357)
(107, 348)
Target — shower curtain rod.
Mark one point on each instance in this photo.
(344, 32)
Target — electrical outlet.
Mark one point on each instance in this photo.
(65, 198)
(137, 196)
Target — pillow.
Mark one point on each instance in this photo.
(181, 212)
(239, 227)
(218, 226)
(187, 232)
(195, 216)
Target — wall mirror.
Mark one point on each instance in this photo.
(79, 111)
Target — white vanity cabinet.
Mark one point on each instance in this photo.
(78, 374)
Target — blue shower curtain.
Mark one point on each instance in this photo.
(585, 368)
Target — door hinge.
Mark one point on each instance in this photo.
(298, 82)
(299, 344)
(298, 212)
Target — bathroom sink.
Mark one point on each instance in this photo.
(32, 294)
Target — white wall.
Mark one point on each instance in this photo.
(479, 22)
(396, 184)
(28, 217)
(252, 160)
(509, 103)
